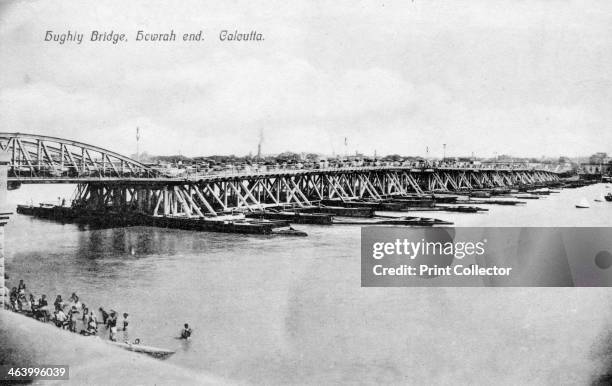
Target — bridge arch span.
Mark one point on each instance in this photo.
(39, 157)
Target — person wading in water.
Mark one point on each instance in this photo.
(186, 332)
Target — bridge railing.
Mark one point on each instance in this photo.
(183, 174)
(291, 171)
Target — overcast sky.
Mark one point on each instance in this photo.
(519, 77)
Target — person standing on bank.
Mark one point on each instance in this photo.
(58, 303)
(42, 310)
(125, 327)
(72, 319)
(104, 315)
(21, 288)
(111, 324)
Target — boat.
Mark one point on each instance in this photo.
(461, 209)
(293, 216)
(230, 223)
(542, 191)
(445, 198)
(583, 204)
(527, 196)
(466, 209)
(391, 220)
(492, 202)
(480, 194)
(155, 352)
(608, 197)
(337, 210)
(289, 232)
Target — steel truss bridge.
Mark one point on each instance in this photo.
(109, 181)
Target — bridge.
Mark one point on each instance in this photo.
(39, 158)
(109, 181)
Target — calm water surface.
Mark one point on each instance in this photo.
(276, 310)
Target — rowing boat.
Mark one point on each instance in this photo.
(152, 351)
(583, 204)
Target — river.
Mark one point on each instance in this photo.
(277, 310)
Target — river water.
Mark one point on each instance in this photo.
(276, 310)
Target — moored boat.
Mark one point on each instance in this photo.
(289, 232)
(392, 220)
(460, 208)
(155, 352)
(527, 196)
(583, 204)
(480, 194)
(541, 191)
(445, 198)
(293, 216)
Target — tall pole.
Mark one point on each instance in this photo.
(5, 159)
(345, 147)
(444, 153)
(137, 148)
(261, 138)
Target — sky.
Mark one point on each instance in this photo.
(527, 78)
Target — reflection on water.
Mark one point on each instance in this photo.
(277, 310)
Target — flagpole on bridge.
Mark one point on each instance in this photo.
(5, 159)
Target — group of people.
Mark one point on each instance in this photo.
(68, 314)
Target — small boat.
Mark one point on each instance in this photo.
(462, 209)
(542, 191)
(583, 204)
(445, 199)
(480, 194)
(608, 197)
(289, 232)
(294, 217)
(527, 196)
(152, 351)
(391, 220)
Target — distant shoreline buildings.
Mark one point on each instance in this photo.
(180, 165)
(599, 164)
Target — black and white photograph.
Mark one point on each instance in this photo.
(306, 192)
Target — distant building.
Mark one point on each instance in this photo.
(597, 169)
(600, 157)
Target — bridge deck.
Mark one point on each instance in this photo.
(228, 176)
